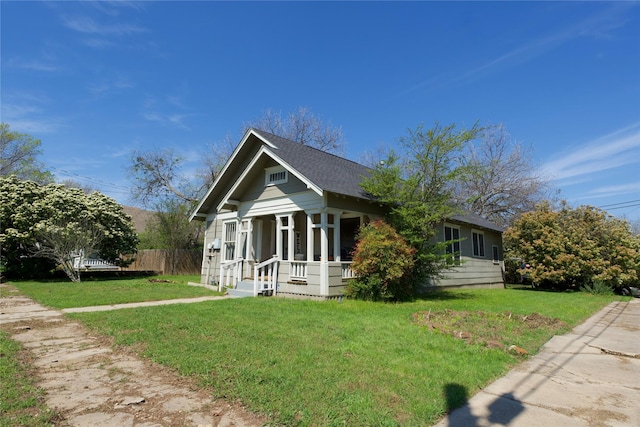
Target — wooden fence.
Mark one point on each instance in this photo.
(167, 261)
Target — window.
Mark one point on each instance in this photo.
(275, 175)
(478, 243)
(496, 257)
(452, 237)
(229, 241)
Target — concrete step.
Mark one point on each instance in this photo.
(237, 293)
(244, 288)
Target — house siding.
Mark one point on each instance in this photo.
(474, 270)
(346, 203)
(327, 184)
(258, 191)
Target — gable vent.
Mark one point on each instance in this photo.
(275, 176)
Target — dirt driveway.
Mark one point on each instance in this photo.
(92, 384)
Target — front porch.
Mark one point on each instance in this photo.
(310, 252)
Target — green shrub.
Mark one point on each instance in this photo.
(597, 287)
(382, 261)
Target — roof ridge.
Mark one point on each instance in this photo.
(262, 132)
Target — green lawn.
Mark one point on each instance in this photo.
(350, 362)
(116, 291)
(21, 402)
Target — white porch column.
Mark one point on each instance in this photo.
(291, 237)
(309, 237)
(324, 255)
(336, 236)
(250, 255)
(279, 237)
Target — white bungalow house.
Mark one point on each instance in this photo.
(282, 217)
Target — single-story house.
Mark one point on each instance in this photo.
(284, 217)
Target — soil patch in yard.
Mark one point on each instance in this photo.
(494, 330)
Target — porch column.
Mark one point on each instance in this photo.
(250, 254)
(291, 237)
(324, 255)
(309, 237)
(279, 237)
(336, 237)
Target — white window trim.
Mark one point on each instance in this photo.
(225, 242)
(456, 257)
(271, 173)
(495, 249)
(482, 252)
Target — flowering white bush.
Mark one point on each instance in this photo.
(55, 222)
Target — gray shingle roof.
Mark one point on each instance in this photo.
(477, 220)
(329, 172)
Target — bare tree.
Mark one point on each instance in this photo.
(157, 174)
(500, 180)
(302, 126)
(18, 156)
(86, 188)
(215, 159)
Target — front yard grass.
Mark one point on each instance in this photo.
(349, 362)
(87, 293)
(21, 402)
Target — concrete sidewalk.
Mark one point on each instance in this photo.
(588, 377)
(140, 304)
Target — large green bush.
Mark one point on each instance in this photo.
(574, 247)
(383, 262)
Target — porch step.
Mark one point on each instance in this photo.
(242, 290)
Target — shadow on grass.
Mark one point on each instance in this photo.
(95, 276)
(444, 296)
(541, 289)
(456, 396)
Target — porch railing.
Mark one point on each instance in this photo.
(298, 271)
(265, 276)
(230, 272)
(347, 272)
(80, 263)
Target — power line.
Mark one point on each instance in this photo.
(623, 207)
(91, 180)
(621, 203)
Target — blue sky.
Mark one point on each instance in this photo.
(95, 81)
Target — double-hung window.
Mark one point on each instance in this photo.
(452, 238)
(478, 243)
(230, 240)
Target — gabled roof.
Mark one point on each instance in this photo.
(319, 169)
(324, 171)
(327, 171)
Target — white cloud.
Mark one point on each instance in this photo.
(615, 190)
(87, 25)
(116, 84)
(33, 64)
(23, 115)
(176, 120)
(617, 149)
(600, 25)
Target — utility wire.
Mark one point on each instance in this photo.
(91, 180)
(621, 203)
(623, 207)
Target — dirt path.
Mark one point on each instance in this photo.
(91, 384)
